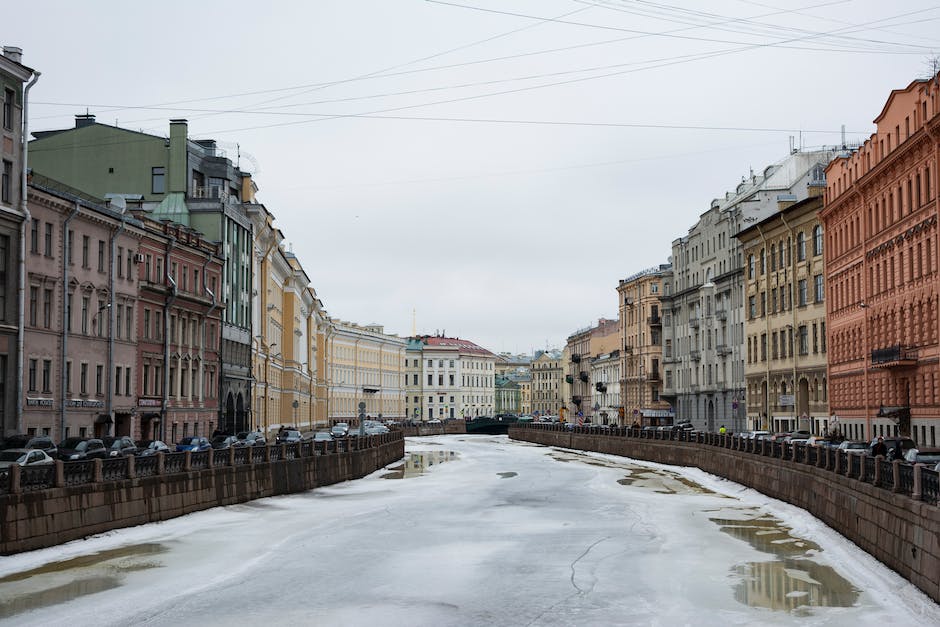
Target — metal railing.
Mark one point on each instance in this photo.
(860, 467)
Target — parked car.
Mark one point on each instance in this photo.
(152, 447)
(817, 440)
(340, 430)
(252, 438)
(41, 442)
(226, 441)
(892, 443)
(193, 443)
(435, 422)
(779, 436)
(288, 436)
(929, 456)
(120, 446)
(683, 426)
(322, 436)
(376, 429)
(24, 457)
(854, 447)
(76, 449)
(757, 435)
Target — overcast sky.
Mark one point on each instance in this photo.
(494, 166)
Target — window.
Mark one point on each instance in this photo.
(750, 266)
(804, 340)
(34, 236)
(800, 246)
(817, 240)
(801, 292)
(99, 370)
(100, 255)
(146, 329)
(47, 308)
(5, 188)
(85, 242)
(117, 380)
(46, 375)
(129, 320)
(85, 315)
(118, 319)
(430, 379)
(127, 381)
(83, 378)
(120, 267)
(31, 378)
(818, 282)
(68, 376)
(9, 96)
(752, 306)
(70, 245)
(157, 180)
(48, 239)
(33, 305)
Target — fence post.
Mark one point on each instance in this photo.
(231, 455)
(15, 487)
(59, 473)
(917, 491)
(876, 480)
(267, 453)
(161, 462)
(187, 461)
(131, 466)
(97, 474)
(896, 472)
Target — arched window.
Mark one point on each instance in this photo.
(817, 240)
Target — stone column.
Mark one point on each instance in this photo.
(97, 475)
(59, 473)
(917, 491)
(14, 479)
(161, 462)
(896, 472)
(231, 455)
(131, 466)
(187, 461)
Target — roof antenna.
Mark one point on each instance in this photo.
(843, 137)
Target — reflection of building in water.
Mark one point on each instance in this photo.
(793, 583)
(416, 463)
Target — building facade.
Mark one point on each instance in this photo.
(605, 374)
(882, 241)
(642, 351)
(367, 366)
(785, 321)
(704, 310)
(548, 375)
(458, 379)
(13, 216)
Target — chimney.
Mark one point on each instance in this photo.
(84, 119)
(177, 179)
(13, 54)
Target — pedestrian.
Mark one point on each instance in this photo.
(722, 430)
(879, 448)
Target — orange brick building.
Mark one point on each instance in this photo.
(880, 220)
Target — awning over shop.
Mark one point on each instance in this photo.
(104, 419)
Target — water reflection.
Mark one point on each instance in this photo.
(62, 581)
(793, 583)
(418, 462)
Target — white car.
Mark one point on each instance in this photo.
(24, 457)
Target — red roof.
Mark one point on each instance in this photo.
(465, 346)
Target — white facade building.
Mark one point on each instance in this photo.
(456, 379)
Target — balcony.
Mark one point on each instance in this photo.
(695, 322)
(893, 357)
(583, 376)
(721, 314)
(600, 387)
(569, 379)
(695, 355)
(576, 358)
(654, 321)
(723, 349)
(576, 400)
(628, 349)
(654, 376)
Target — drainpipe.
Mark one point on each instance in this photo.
(66, 314)
(170, 299)
(205, 327)
(27, 218)
(109, 407)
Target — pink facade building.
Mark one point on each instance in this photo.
(180, 321)
(882, 281)
(80, 347)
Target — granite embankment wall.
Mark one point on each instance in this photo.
(901, 532)
(41, 518)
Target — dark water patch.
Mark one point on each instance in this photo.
(418, 463)
(507, 475)
(59, 582)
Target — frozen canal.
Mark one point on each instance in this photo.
(474, 530)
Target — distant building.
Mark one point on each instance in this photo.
(367, 366)
(605, 396)
(458, 379)
(507, 395)
(880, 222)
(642, 351)
(582, 345)
(548, 375)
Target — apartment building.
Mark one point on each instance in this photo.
(366, 366)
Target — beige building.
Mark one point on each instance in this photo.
(785, 318)
(548, 375)
(582, 346)
(785, 321)
(525, 394)
(641, 357)
(366, 365)
(288, 320)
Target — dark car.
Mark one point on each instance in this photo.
(252, 438)
(41, 442)
(193, 443)
(120, 446)
(151, 447)
(905, 444)
(288, 436)
(75, 449)
(340, 430)
(226, 441)
(683, 426)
